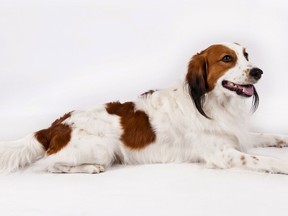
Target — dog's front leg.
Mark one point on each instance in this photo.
(268, 140)
(232, 158)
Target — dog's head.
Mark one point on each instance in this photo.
(224, 67)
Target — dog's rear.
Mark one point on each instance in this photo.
(19, 153)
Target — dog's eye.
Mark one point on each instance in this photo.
(227, 58)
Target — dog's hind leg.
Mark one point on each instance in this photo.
(84, 168)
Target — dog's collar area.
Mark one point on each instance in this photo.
(243, 90)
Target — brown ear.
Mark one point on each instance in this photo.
(197, 81)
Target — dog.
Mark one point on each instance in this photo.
(201, 120)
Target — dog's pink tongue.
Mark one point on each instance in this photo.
(248, 90)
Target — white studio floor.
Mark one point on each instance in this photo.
(160, 189)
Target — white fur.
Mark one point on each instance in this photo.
(182, 134)
(19, 153)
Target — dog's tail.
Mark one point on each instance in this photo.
(19, 153)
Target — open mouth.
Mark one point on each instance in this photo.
(243, 90)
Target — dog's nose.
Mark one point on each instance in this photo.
(256, 73)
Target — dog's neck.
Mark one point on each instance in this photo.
(220, 106)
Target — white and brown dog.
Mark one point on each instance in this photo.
(201, 120)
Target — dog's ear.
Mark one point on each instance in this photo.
(197, 81)
(255, 101)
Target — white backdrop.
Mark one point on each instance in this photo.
(57, 56)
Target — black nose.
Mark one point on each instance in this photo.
(256, 73)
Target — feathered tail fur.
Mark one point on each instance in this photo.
(20, 153)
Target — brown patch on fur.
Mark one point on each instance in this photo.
(138, 132)
(204, 69)
(280, 143)
(208, 65)
(61, 119)
(150, 92)
(243, 159)
(217, 68)
(56, 137)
